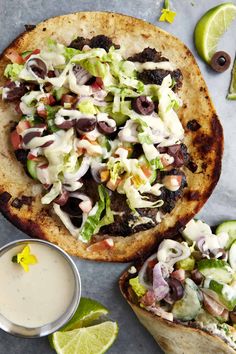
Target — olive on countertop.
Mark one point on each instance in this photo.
(220, 61)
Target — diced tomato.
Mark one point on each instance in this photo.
(42, 112)
(15, 140)
(113, 185)
(36, 51)
(15, 57)
(98, 84)
(106, 244)
(49, 100)
(149, 298)
(22, 126)
(178, 274)
(32, 157)
(67, 99)
(146, 170)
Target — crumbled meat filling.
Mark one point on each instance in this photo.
(99, 41)
(156, 77)
(148, 54)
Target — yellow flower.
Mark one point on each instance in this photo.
(25, 259)
(166, 14)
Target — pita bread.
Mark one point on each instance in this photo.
(175, 338)
(205, 145)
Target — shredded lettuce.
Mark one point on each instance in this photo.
(138, 288)
(95, 220)
(156, 164)
(69, 53)
(115, 169)
(95, 67)
(87, 107)
(12, 71)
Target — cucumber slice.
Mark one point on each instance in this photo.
(226, 294)
(32, 168)
(229, 227)
(59, 92)
(195, 229)
(189, 306)
(232, 256)
(143, 161)
(216, 269)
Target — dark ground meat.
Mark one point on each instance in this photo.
(156, 76)
(148, 54)
(99, 41)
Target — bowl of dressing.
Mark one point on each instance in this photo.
(39, 298)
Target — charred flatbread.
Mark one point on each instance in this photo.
(193, 161)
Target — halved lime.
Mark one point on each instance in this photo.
(211, 27)
(88, 311)
(232, 89)
(89, 340)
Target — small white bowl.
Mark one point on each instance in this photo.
(44, 330)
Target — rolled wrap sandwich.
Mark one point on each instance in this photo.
(185, 293)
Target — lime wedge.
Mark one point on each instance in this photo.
(87, 312)
(211, 27)
(232, 89)
(89, 340)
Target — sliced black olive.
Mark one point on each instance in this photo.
(197, 277)
(143, 105)
(38, 67)
(85, 125)
(48, 143)
(105, 128)
(14, 91)
(29, 136)
(220, 61)
(176, 289)
(67, 124)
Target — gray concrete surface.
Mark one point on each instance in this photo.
(99, 280)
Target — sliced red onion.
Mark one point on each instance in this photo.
(160, 286)
(47, 144)
(43, 175)
(69, 177)
(37, 67)
(29, 136)
(213, 307)
(143, 271)
(73, 186)
(62, 198)
(82, 76)
(171, 251)
(202, 245)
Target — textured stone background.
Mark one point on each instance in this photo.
(99, 280)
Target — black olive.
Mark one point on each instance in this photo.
(176, 289)
(38, 67)
(67, 124)
(220, 61)
(105, 128)
(14, 92)
(85, 125)
(143, 105)
(29, 136)
(197, 277)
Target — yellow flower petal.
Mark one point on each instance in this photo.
(25, 266)
(26, 251)
(170, 16)
(162, 18)
(31, 259)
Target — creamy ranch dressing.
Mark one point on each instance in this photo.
(40, 296)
